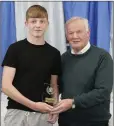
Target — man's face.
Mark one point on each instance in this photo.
(77, 35)
(37, 26)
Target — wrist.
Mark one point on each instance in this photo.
(33, 105)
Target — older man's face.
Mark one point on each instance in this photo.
(77, 35)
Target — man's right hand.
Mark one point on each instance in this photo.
(43, 107)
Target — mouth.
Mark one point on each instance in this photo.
(38, 30)
(75, 42)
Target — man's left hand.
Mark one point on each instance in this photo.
(62, 106)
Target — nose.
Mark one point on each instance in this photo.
(38, 24)
(75, 35)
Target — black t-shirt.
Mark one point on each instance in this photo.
(34, 66)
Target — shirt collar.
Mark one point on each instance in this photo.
(83, 50)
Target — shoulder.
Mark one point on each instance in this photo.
(101, 53)
(52, 49)
(17, 45)
(66, 54)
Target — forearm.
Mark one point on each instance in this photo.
(92, 98)
(54, 85)
(55, 93)
(14, 94)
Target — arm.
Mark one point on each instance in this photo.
(54, 79)
(56, 70)
(100, 93)
(55, 74)
(102, 87)
(13, 93)
(54, 85)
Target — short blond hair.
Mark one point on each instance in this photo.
(79, 18)
(36, 11)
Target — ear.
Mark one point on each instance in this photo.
(66, 33)
(88, 33)
(26, 23)
(66, 36)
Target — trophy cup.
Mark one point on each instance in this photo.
(47, 95)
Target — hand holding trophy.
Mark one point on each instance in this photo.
(47, 96)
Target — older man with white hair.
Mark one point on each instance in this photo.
(86, 81)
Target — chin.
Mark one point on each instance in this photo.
(75, 46)
(37, 36)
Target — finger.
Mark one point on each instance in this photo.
(48, 110)
(52, 122)
(56, 110)
(50, 116)
(49, 106)
(53, 119)
(57, 105)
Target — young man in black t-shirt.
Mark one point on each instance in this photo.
(28, 65)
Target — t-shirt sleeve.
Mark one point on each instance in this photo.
(56, 68)
(10, 58)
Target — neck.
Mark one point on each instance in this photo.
(75, 50)
(36, 40)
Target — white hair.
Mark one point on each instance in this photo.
(79, 18)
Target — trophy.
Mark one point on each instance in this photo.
(47, 95)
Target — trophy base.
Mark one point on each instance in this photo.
(50, 101)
